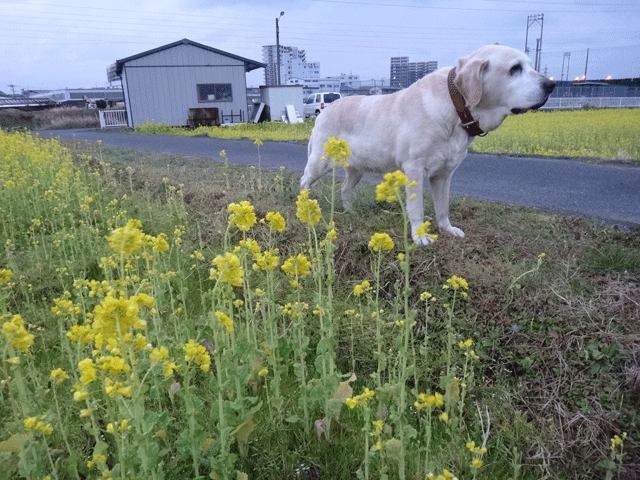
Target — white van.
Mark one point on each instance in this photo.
(315, 103)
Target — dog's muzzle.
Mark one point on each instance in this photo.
(547, 87)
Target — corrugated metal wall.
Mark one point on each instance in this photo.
(162, 87)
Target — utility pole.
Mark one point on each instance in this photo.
(567, 55)
(586, 63)
(532, 19)
(278, 46)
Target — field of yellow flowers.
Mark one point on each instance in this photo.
(134, 349)
(599, 134)
(603, 134)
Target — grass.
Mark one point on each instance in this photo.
(556, 337)
(274, 131)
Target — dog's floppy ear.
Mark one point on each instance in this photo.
(469, 79)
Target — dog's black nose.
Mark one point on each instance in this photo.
(548, 86)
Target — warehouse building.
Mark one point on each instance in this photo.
(177, 82)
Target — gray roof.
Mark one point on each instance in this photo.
(248, 64)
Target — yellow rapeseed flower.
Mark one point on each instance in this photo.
(276, 221)
(338, 149)
(388, 190)
(198, 354)
(308, 210)
(159, 355)
(113, 364)
(377, 428)
(423, 231)
(59, 375)
(127, 240)
(241, 215)
(457, 283)
(225, 320)
(88, 370)
(30, 423)
(429, 401)
(266, 261)
(115, 316)
(228, 269)
(297, 266)
(81, 334)
(80, 393)
(365, 286)
(16, 334)
(380, 241)
(5, 276)
(360, 400)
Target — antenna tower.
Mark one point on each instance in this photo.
(531, 20)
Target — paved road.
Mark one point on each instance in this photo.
(603, 192)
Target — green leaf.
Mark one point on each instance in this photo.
(292, 419)
(14, 443)
(241, 433)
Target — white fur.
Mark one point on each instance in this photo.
(417, 129)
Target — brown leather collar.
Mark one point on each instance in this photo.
(468, 122)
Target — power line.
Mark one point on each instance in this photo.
(466, 9)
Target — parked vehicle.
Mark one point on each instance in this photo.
(315, 103)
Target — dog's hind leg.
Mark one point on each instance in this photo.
(316, 166)
(352, 177)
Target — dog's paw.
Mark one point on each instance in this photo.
(456, 232)
(422, 240)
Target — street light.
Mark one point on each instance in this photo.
(278, 45)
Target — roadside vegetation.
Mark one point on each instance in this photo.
(163, 318)
(609, 134)
(590, 134)
(49, 119)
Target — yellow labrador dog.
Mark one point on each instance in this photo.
(428, 126)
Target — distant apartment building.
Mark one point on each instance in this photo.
(294, 68)
(404, 73)
(399, 73)
(418, 70)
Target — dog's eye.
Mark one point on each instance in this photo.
(517, 68)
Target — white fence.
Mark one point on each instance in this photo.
(113, 118)
(568, 103)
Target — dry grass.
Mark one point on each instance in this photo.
(54, 118)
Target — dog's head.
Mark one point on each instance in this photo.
(502, 79)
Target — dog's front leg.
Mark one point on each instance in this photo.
(415, 207)
(440, 185)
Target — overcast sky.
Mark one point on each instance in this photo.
(51, 44)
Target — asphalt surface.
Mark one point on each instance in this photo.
(603, 192)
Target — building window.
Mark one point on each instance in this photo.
(214, 92)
